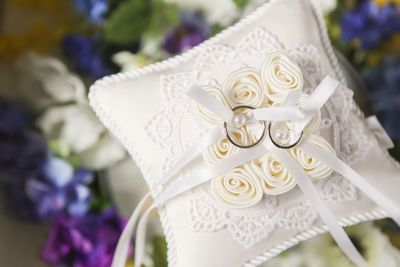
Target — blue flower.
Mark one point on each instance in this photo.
(13, 119)
(192, 31)
(85, 55)
(383, 83)
(60, 189)
(95, 10)
(22, 155)
(370, 24)
(22, 150)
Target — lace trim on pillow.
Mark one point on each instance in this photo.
(247, 228)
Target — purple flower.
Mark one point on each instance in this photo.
(85, 55)
(22, 154)
(383, 83)
(370, 24)
(13, 120)
(87, 241)
(60, 188)
(192, 31)
(95, 10)
(20, 159)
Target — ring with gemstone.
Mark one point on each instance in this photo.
(283, 137)
(240, 120)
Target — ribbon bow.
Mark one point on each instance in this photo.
(297, 119)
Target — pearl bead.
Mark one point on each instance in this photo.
(282, 135)
(239, 120)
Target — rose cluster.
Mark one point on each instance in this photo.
(245, 185)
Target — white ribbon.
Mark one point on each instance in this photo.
(212, 137)
(205, 172)
(284, 113)
(306, 185)
(346, 171)
(122, 249)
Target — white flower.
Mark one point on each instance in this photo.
(328, 5)
(76, 125)
(49, 86)
(373, 244)
(281, 75)
(127, 187)
(222, 12)
(291, 258)
(46, 80)
(106, 152)
(239, 188)
(128, 61)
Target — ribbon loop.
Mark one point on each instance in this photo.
(211, 103)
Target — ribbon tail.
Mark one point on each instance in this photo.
(341, 167)
(212, 137)
(140, 242)
(208, 172)
(308, 188)
(122, 249)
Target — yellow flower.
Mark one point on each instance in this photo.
(129, 264)
(42, 5)
(374, 58)
(392, 45)
(385, 2)
(39, 38)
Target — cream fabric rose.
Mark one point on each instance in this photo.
(314, 168)
(221, 150)
(204, 113)
(244, 186)
(280, 76)
(244, 87)
(239, 188)
(275, 178)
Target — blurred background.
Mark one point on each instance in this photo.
(67, 186)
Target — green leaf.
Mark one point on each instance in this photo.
(159, 252)
(240, 3)
(101, 199)
(395, 152)
(128, 22)
(59, 148)
(163, 17)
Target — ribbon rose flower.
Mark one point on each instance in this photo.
(245, 185)
(238, 188)
(280, 76)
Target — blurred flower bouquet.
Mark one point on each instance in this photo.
(54, 150)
